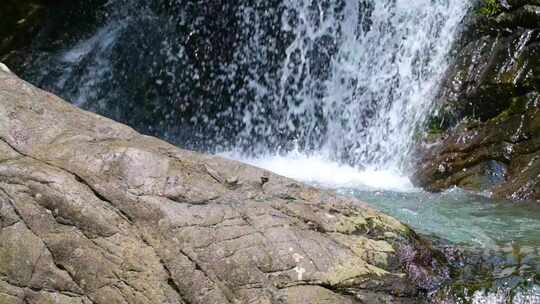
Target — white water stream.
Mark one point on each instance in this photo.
(358, 78)
(349, 81)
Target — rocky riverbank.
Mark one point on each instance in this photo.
(93, 212)
(485, 134)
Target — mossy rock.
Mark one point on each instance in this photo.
(518, 105)
(527, 16)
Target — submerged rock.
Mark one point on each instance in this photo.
(508, 274)
(93, 212)
(485, 135)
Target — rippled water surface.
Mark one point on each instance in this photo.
(505, 236)
(460, 217)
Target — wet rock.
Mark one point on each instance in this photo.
(527, 16)
(504, 274)
(19, 20)
(30, 26)
(93, 212)
(485, 132)
(519, 3)
(501, 156)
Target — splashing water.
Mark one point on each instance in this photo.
(316, 169)
(358, 77)
(347, 79)
(356, 81)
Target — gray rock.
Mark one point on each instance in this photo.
(93, 212)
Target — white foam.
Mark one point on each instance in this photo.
(318, 169)
(357, 78)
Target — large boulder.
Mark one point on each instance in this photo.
(485, 134)
(93, 212)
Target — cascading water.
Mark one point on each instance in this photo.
(358, 76)
(326, 91)
(347, 79)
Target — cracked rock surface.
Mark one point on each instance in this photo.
(93, 212)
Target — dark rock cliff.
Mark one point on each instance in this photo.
(485, 135)
(48, 22)
(20, 20)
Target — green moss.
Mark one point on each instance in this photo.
(343, 273)
(490, 8)
(517, 106)
(431, 128)
(350, 224)
(434, 125)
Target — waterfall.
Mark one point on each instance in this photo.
(347, 79)
(358, 76)
(328, 92)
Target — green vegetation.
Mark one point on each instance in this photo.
(517, 106)
(434, 125)
(490, 8)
